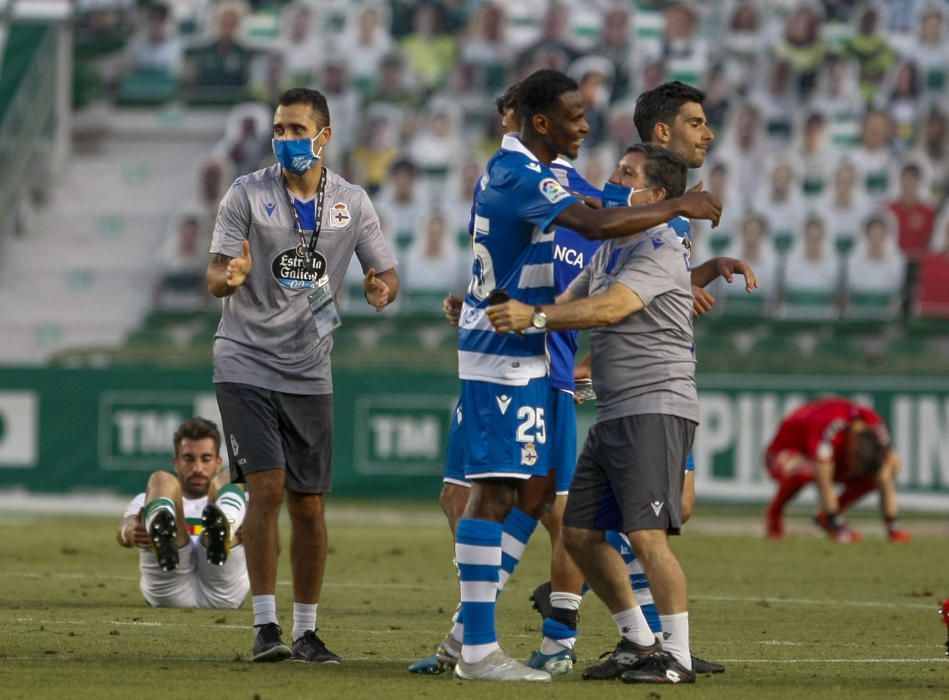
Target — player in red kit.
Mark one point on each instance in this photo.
(832, 441)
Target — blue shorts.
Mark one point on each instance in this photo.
(563, 427)
(690, 462)
(455, 450)
(505, 429)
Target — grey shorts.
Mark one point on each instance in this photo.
(629, 475)
(266, 429)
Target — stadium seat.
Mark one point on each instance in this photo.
(809, 305)
(876, 305)
(147, 88)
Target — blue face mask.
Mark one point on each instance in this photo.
(297, 155)
(616, 195)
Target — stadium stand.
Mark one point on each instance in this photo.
(828, 114)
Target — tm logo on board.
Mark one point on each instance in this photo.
(401, 434)
(136, 429)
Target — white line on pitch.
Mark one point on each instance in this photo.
(813, 601)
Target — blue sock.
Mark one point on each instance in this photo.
(478, 555)
(637, 579)
(518, 528)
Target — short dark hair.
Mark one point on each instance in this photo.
(540, 92)
(870, 452)
(508, 100)
(198, 429)
(911, 168)
(314, 98)
(662, 104)
(663, 168)
(403, 164)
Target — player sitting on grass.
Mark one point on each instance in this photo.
(827, 441)
(194, 508)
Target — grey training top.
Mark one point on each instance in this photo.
(267, 336)
(646, 362)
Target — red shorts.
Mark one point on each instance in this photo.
(781, 463)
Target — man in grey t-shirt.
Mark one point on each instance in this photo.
(283, 238)
(637, 295)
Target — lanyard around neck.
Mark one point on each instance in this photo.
(309, 248)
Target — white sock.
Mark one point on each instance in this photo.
(232, 502)
(265, 610)
(304, 619)
(633, 626)
(675, 633)
(157, 505)
(556, 632)
(457, 631)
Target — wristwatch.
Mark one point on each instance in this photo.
(539, 319)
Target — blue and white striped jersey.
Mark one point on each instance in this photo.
(572, 252)
(514, 208)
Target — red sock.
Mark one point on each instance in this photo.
(854, 491)
(790, 485)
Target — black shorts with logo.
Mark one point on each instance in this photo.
(629, 475)
(265, 429)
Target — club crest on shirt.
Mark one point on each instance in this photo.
(294, 270)
(553, 190)
(529, 454)
(339, 215)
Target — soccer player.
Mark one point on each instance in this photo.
(671, 116)
(283, 239)
(829, 441)
(636, 296)
(186, 526)
(505, 391)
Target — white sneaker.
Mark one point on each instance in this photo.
(498, 666)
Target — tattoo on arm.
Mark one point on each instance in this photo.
(220, 258)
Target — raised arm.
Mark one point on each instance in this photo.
(226, 274)
(618, 222)
(710, 270)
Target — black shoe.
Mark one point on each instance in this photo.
(540, 599)
(311, 648)
(268, 646)
(625, 656)
(703, 666)
(217, 536)
(661, 667)
(163, 532)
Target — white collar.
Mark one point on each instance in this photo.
(510, 142)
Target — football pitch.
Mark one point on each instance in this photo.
(801, 618)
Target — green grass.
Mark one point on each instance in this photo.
(801, 618)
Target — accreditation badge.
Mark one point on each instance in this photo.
(323, 308)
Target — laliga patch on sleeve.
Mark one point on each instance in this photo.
(553, 190)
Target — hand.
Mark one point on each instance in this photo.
(137, 536)
(511, 316)
(589, 201)
(451, 307)
(377, 291)
(701, 205)
(729, 267)
(702, 301)
(239, 268)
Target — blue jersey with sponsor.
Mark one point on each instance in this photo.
(515, 205)
(572, 252)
